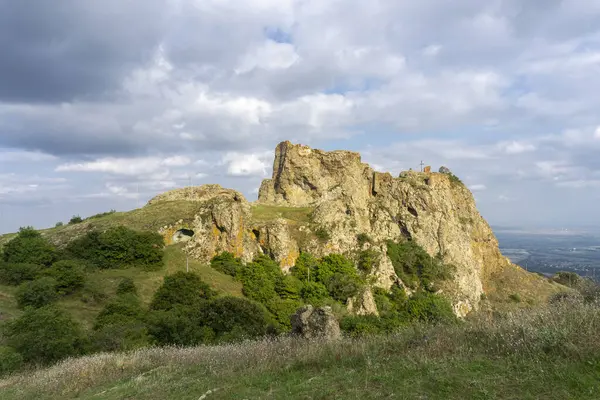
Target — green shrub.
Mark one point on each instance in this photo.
(126, 305)
(45, 335)
(429, 307)
(322, 234)
(101, 215)
(180, 326)
(37, 293)
(180, 288)
(415, 267)
(92, 293)
(233, 318)
(339, 275)
(75, 219)
(119, 247)
(362, 239)
(122, 334)
(10, 360)
(314, 293)
(288, 287)
(29, 247)
(259, 278)
(126, 286)
(454, 179)
(58, 224)
(306, 264)
(343, 286)
(282, 310)
(361, 325)
(515, 297)
(15, 274)
(566, 278)
(69, 276)
(368, 260)
(226, 263)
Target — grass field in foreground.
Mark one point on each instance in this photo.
(551, 353)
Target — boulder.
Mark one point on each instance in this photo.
(315, 323)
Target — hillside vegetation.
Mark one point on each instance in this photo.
(551, 353)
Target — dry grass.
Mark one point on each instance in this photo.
(553, 352)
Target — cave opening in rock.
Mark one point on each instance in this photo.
(182, 235)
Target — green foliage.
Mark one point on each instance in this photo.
(367, 260)
(362, 325)
(45, 335)
(15, 273)
(29, 247)
(322, 234)
(37, 293)
(363, 238)
(288, 287)
(222, 319)
(126, 305)
(226, 263)
(566, 278)
(119, 247)
(343, 286)
(69, 276)
(305, 265)
(454, 179)
(180, 288)
(58, 224)
(75, 219)
(259, 279)
(340, 277)
(282, 310)
(121, 325)
(515, 297)
(101, 215)
(314, 293)
(126, 286)
(428, 307)
(415, 267)
(233, 318)
(10, 360)
(178, 326)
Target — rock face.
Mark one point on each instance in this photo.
(315, 323)
(320, 202)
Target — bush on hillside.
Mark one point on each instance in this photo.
(45, 335)
(126, 286)
(306, 264)
(288, 287)
(124, 306)
(29, 247)
(10, 360)
(226, 263)
(429, 307)
(282, 311)
(69, 276)
(123, 334)
(178, 326)
(314, 293)
(37, 293)
(119, 247)
(368, 260)
(415, 267)
(75, 219)
(233, 318)
(259, 279)
(15, 274)
(180, 288)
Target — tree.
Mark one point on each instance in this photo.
(226, 263)
(29, 247)
(37, 293)
(45, 335)
(126, 286)
(10, 360)
(69, 276)
(17, 273)
(181, 288)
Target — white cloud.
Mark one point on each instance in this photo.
(477, 187)
(239, 164)
(515, 147)
(126, 166)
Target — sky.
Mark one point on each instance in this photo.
(105, 104)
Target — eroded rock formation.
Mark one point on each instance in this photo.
(320, 202)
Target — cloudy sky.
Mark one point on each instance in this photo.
(103, 104)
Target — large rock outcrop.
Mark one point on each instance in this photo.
(321, 202)
(315, 323)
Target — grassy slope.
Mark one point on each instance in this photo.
(553, 353)
(147, 282)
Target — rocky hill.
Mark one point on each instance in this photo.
(330, 202)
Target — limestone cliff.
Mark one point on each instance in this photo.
(321, 201)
